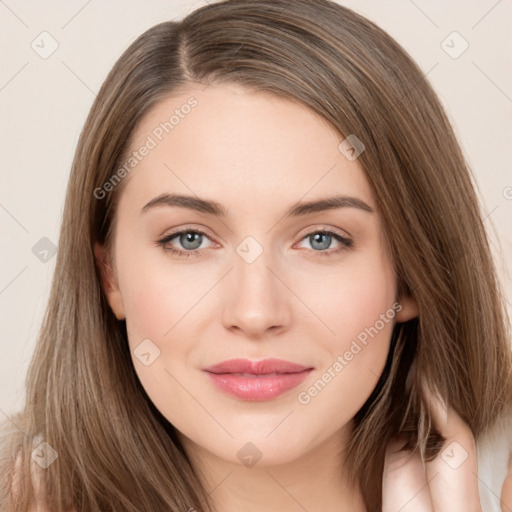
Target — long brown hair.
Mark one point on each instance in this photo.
(115, 450)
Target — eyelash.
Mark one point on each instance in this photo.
(346, 243)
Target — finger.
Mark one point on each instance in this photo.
(453, 474)
(404, 483)
(38, 462)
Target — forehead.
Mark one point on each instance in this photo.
(249, 148)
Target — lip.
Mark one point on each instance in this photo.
(257, 380)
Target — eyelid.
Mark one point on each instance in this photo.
(313, 228)
(185, 227)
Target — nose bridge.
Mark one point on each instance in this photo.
(252, 264)
(258, 300)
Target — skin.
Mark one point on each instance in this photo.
(506, 492)
(258, 154)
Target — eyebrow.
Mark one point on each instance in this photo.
(214, 208)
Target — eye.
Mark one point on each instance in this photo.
(322, 240)
(190, 240)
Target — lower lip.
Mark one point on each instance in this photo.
(258, 387)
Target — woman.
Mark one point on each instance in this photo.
(257, 369)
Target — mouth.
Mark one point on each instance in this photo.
(257, 381)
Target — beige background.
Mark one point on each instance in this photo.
(44, 103)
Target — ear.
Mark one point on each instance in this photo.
(109, 281)
(409, 309)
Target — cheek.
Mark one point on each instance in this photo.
(159, 307)
(351, 297)
(358, 306)
(156, 293)
(163, 307)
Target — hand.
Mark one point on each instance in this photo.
(448, 483)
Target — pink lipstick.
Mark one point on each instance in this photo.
(257, 380)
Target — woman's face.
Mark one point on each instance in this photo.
(260, 282)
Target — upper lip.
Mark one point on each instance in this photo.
(257, 367)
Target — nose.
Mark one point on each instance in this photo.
(258, 300)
